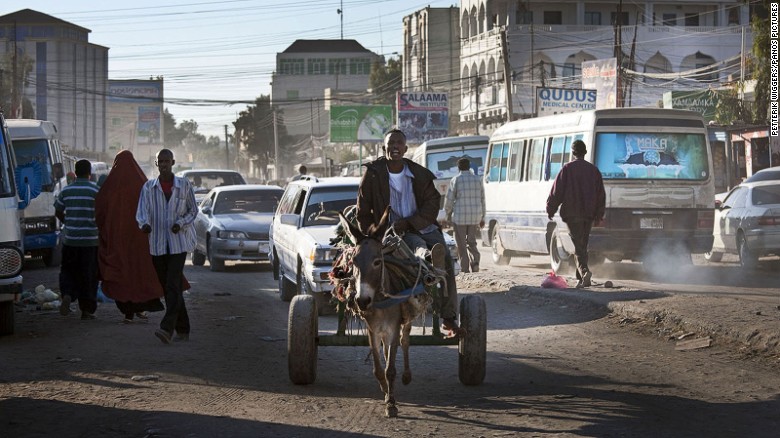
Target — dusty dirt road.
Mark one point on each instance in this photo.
(554, 369)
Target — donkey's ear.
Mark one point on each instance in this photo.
(353, 232)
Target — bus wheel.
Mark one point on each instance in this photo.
(560, 260)
(497, 249)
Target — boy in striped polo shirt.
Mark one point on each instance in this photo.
(75, 208)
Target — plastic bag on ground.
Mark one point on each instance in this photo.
(552, 281)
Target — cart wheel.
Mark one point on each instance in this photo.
(472, 347)
(302, 340)
(7, 317)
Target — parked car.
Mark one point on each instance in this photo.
(768, 174)
(233, 224)
(747, 223)
(203, 180)
(301, 252)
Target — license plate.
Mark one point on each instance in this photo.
(651, 223)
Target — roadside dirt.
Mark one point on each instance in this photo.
(554, 368)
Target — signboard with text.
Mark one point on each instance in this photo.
(563, 100)
(601, 75)
(423, 115)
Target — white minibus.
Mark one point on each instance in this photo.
(657, 172)
(441, 157)
(11, 256)
(38, 142)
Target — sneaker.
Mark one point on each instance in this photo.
(475, 268)
(438, 253)
(163, 336)
(87, 316)
(585, 281)
(142, 315)
(181, 337)
(65, 305)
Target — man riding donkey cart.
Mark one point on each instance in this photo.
(384, 276)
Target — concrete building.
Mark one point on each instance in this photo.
(308, 67)
(59, 76)
(431, 55)
(684, 45)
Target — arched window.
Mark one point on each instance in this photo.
(573, 65)
(700, 61)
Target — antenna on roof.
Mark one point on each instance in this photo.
(340, 11)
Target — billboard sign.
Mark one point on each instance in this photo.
(563, 100)
(349, 124)
(601, 75)
(701, 101)
(132, 91)
(423, 115)
(149, 125)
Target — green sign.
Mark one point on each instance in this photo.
(349, 124)
(703, 102)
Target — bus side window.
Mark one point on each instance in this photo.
(515, 155)
(494, 169)
(504, 161)
(535, 160)
(556, 157)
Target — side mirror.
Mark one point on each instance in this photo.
(206, 210)
(289, 219)
(718, 204)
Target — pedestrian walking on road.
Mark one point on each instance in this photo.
(126, 268)
(579, 191)
(464, 206)
(166, 211)
(409, 190)
(75, 208)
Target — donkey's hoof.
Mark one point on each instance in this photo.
(406, 378)
(391, 411)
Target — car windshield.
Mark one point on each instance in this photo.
(325, 205)
(37, 150)
(203, 182)
(652, 156)
(264, 201)
(766, 195)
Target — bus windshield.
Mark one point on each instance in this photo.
(27, 151)
(445, 164)
(6, 189)
(651, 155)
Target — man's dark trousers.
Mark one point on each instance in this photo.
(579, 230)
(169, 269)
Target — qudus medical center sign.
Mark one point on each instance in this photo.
(563, 100)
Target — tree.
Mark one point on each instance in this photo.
(385, 80)
(173, 136)
(761, 60)
(24, 67)
(255, 130)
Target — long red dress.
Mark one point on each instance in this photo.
(126, 267)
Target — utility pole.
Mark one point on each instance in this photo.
(476, 86)
(507, 77)
(227, 151)
(276, 149)
(14, 81)
(340, 11)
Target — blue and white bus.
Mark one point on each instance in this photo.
(657, 172)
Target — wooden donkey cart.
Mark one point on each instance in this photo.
(380, 280)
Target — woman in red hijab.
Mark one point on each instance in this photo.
(123, 254)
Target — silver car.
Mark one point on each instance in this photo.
(203, 180)
(233, 224)
(747, 223)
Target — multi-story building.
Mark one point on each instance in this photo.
(432, 53)
(661, 46)
(49, 68)
(306, 69)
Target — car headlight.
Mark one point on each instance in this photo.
(322, 255)
(227, 234)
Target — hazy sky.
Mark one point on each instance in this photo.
(221, 50)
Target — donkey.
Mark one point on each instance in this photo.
(387, 325)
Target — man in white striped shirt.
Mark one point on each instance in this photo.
(166, 211)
